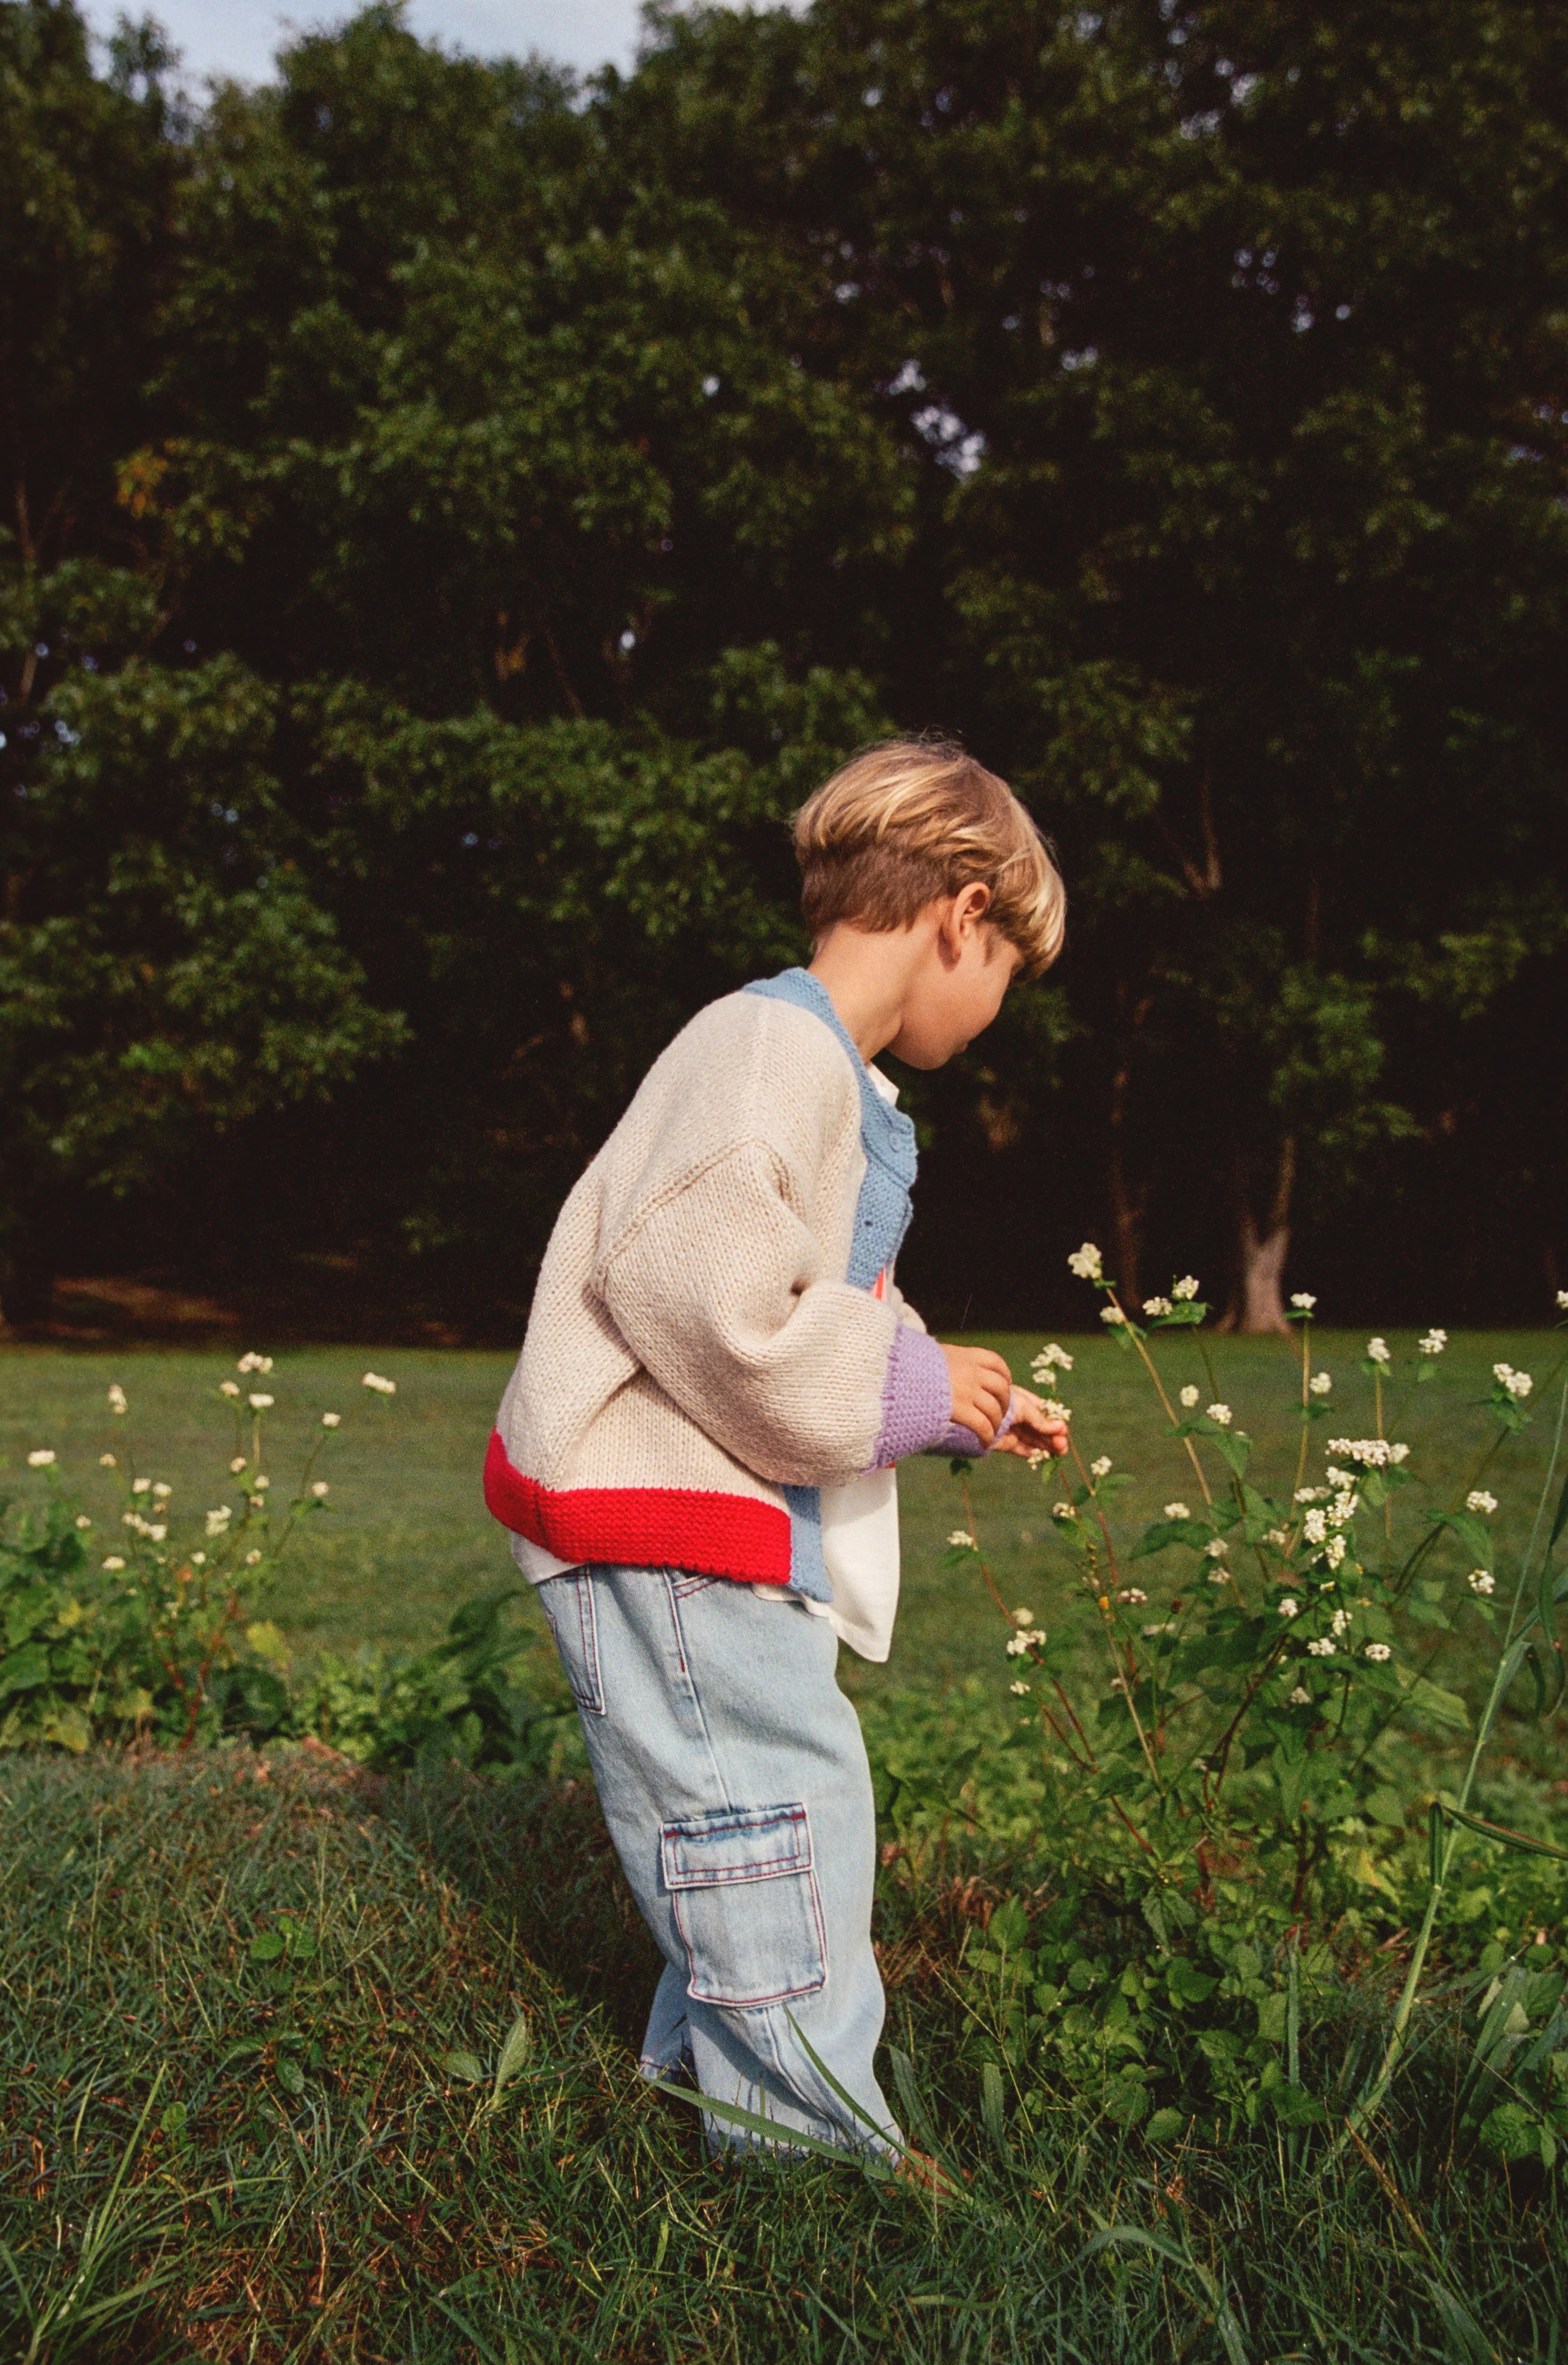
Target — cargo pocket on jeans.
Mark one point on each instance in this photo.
(567, 1603)
(745, 1904)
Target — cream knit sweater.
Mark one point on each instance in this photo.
(694, 1348)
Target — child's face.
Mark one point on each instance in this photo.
(957, 989)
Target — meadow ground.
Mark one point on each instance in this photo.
(298, 2064)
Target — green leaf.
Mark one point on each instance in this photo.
(1386, 1807)
(1445, 1710)
(514, 2053)
(1164, 2126)
(267, 1947)
(1188, 1985)
(290, 2076)
(467, 2067)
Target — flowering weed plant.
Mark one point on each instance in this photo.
(1221, 1699)
(154, 1628)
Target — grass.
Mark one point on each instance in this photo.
(313, 2161)
(409, 1537)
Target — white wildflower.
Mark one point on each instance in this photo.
(1063, 1512)
(227, 1387)
(1315, 1527)
(1303, 1300)
(1290, 1606)
(1177, 1511)
(237, 1465)
(260, 1485)
(155, 1534)
(1155, 1307)
(1563, 1301)
(1339, 1623)
(1189, 1397)
(1320, 1383)
(962, 1536)
(198, 1560)
(331, 1419)
(114, 1560)
(218, 1521)
(1377, 1650)
(1216, 1548)
(1133, 1593)
(251, 1559)
(1518, 1384)
(1310, 1493)
(1433, 1343)
(1334, 1551)
(1220, 1413)
(105, 1462)
(1322, 1648)
(260, 1403)
(1112, 1315)
(1279, 1536)
(1018, 1687)
(82, 1520)
(1168, 1627)
(1300, 1697)
(161, 1488)
(1023, 1618)
(1481, 1580)
(41, 1457)
(1372, 1452)
(254, 1363)
(1219, 1574)
(1186, 1289)
(117, 1397)
(1377, 1352)
(1101, 1466)
(1052, 1358)
(141, 1485)
(257, 1502)
(1478, 1499)
(382, 1387)
(1056, 1410)
(1086, 1262)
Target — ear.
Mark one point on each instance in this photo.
(970, 905)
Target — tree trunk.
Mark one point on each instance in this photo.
(1258, 1306)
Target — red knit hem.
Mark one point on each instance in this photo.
(642, 1527)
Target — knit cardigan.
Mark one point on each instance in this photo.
(715, 1334)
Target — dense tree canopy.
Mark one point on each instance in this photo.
(450, 516)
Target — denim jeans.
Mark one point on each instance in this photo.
(733, 1777)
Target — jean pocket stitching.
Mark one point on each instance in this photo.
(777, 1948)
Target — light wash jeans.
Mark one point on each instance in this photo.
(733, 1779)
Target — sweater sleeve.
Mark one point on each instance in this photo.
(953, 1438)
(808, 1381)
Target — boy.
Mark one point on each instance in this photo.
(696, 1450)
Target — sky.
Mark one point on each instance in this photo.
(240, 36)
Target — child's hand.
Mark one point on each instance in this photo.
(1033, 1429)
(983, 1389)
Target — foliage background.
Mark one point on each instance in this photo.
(448, 515)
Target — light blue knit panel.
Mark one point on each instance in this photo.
(881, 1219)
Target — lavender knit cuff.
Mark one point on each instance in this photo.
(917, 1403)
(917, 1398)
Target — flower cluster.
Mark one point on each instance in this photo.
(1478, 1499)
(1155, 1307)
(1378, 1351)
(1372, 1452)
(1320, 1383)
(1303, 1300)
(1517, 1383)
(1087, 1263)
(1433, 1343)
(381, 1387)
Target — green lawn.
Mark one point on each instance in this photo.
(408, 1537)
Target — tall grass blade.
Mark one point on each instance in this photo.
(777, 2135)
(1139, 2237)
(991, 2105)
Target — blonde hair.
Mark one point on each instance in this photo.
(911, 820)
